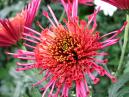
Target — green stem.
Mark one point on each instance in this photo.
(120, 66)
(62, 16)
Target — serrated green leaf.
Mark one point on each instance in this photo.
(118, 87)
(35, 93)
(123, 92)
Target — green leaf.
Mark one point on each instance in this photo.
(15, 7)
(35, 93)
(123, 91)
(118, 89)
(3, 73)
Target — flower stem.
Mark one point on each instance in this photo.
(120, 66)
(62, 16)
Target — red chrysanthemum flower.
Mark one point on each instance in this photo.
(11, 29)
(66, 54)
(122, 4)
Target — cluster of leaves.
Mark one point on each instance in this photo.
(18, 84)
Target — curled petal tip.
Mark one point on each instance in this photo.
(6, 52)
(17, 69)
(45, 13)
(114, 79)
(96, 80)
(17, 63)
(125, 23)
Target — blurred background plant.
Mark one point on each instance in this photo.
(19, 84)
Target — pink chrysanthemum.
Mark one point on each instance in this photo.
(66, 54)
(11, 29)
(122, 4)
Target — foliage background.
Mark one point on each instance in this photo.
(19, 84)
